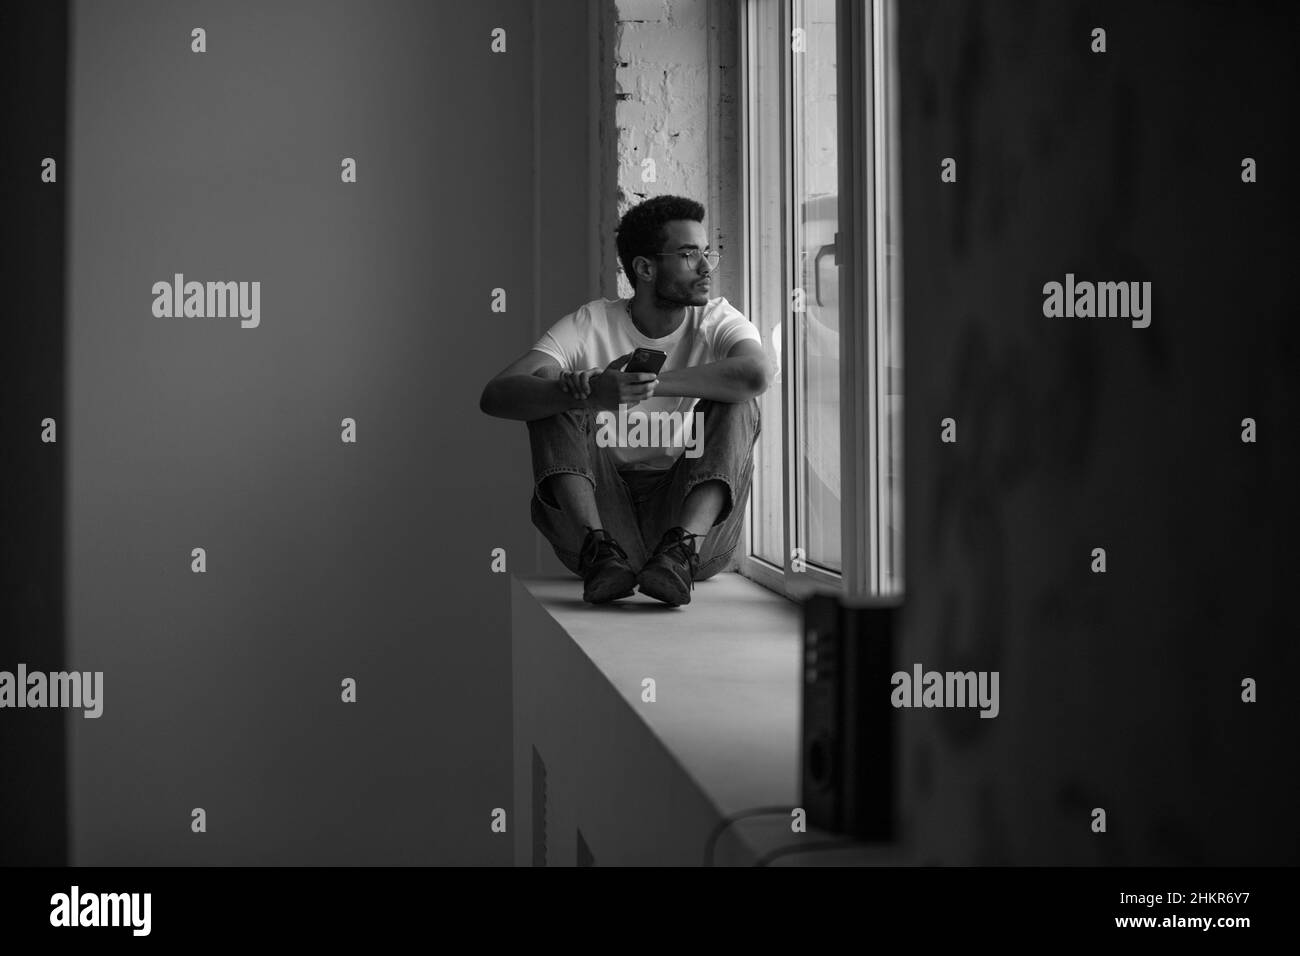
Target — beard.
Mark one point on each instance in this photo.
(668, 295)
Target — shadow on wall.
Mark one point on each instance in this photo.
(326, 560)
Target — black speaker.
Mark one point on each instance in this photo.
(848, 764)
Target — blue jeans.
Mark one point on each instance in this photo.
(637, 516)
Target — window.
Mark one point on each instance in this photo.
(823, 285)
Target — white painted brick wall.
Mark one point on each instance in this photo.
(663, 110)
(677, 102)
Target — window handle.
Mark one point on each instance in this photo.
(828, 249)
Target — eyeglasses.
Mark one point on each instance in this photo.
(692, 257)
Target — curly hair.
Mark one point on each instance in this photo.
(641, 230)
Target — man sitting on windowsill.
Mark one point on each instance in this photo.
(600, 504)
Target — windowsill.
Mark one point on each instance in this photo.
(646, 782)
(726, 672)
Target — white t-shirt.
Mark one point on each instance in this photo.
(602, 330)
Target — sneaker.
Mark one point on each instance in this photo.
(606, 574)
(669, 575)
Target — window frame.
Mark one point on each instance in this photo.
(868, 247)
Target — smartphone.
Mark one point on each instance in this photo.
(646, 360)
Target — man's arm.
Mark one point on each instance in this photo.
(533, 387)
(745, 373)
(527, 389)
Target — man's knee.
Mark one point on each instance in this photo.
(743, 414)
(570, 419)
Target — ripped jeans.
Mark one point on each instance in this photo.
(637, 511)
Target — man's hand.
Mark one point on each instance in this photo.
(578, 384)
(609, 388)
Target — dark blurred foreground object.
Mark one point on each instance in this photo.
(848, 764)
